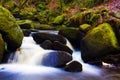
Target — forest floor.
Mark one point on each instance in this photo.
(114, 7)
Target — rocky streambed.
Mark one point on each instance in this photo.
(93, 34)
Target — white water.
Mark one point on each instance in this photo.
(25, 66)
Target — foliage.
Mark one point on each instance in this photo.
(47, 16)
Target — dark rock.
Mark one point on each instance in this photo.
(73, 35)
(96, 63)
(2, 47)
(112, 59)
(56, 58)
(47, 44)
(73, 66)
(42, 36)
(26, 32)
(99, 42)
(61, 47)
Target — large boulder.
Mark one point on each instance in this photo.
(56, 58)
(11, 32)
(2, 47)
(40, 37)
(99, 42)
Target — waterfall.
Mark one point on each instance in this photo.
(31, 54)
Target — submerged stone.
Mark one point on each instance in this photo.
(99, 42)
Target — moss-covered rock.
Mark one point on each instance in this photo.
(73, 35)
(11, 32)
(99, 42)
(115, 23)
(37, 25)
(2, 47)
(59, 19)
(89, 16)
(25, 24)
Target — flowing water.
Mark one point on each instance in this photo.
(26, 65)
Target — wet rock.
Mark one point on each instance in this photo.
(42, 36)
(96, 63)
(61, 47)
(73, 66)
(56, 58)
(56, 45)
(11, 32)
(2, 47)
(73, 35)
(99, 42)
(47, 44)
(112, 59)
